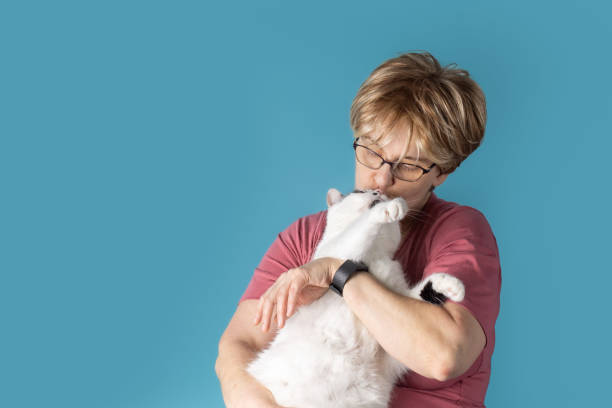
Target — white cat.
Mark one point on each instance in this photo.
(324, 357)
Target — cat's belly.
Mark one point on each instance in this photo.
(324, 357)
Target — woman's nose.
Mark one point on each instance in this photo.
(384, 177)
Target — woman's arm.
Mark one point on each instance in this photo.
(436, 341)
(238, 346)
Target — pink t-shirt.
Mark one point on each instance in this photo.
(449, 238)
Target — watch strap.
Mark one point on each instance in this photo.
(346, 271)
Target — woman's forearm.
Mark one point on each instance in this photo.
(417, 333)
(236, 382)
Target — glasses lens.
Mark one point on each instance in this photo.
(408, 172)
(367, 157)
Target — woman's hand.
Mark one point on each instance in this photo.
(294, 288)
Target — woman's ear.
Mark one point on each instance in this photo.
(441, 178)
(333, 196)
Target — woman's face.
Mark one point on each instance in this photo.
(416, 193)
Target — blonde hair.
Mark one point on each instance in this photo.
(443, 108)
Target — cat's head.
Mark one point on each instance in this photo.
(344, 209)
(380, 238)
(358, 201)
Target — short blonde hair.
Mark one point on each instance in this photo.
(443, 107)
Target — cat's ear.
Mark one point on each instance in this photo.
(333, 196)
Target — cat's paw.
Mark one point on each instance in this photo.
(390, 211)
(442, 286)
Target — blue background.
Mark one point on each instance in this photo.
(151, 151)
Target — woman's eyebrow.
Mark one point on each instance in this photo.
(420, 159)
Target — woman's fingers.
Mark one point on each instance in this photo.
(259, 315)
(258, 312)
(268, 310)
(291, 299)
(280, 299)
(298, 282)
(281, 310)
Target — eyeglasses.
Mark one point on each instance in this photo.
(374, 161)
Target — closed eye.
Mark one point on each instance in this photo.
(373, 203)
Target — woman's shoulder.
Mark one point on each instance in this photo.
(444, 212)
(451, 221)
(311, 223)
(305, 232)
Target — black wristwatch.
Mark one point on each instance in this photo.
(346, 271)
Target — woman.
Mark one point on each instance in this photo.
(414, 122)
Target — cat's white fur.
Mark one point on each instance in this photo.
(324, 357)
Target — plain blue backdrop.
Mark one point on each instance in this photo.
(151, 151)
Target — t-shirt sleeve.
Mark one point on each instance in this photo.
(292, 247)
(462, 244)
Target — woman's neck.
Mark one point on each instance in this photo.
(412, 218)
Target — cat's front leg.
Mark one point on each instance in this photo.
(437, 288)
(389, 211)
